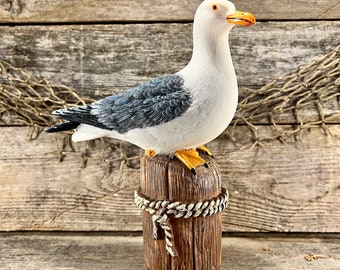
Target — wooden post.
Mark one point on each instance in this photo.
(197, 239)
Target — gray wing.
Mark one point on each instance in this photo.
(150, 104)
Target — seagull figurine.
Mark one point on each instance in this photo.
(178, 114)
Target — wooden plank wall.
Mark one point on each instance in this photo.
(58, 215)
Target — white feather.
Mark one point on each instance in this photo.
(87, 132)
(210, 78)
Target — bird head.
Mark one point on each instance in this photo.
(224, 13)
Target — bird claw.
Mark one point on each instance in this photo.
(191, 159)
(193, 171)
(205, 150)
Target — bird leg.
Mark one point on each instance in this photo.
(205, 150)
(190, 158)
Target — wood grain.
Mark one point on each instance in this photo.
(104, 251)
(197, 241)
(99, 60)
(279, 187)
(202, 236)
(17, 11)
(155, 254)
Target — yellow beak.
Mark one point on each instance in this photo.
(241, 18)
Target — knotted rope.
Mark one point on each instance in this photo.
(161, 209)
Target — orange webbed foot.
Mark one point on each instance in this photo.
(190, 158)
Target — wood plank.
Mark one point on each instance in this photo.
(82, 251)
(99, 60)
(116, 10)
(279, 187)
(281, 184)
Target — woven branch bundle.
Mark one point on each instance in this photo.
(27, 100)
(298, 94)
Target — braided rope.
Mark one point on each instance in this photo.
(161, 209)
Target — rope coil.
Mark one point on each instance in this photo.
(161, 209)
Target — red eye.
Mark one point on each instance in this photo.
(215, 7)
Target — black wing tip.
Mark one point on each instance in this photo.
(52, 129)
(62, 127)
(71, 110)
(58, 113)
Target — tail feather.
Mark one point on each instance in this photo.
(81, 115)
(62, 127)
(73, 116)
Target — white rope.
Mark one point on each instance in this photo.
(161, 209)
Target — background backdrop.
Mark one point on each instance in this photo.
(61, 203)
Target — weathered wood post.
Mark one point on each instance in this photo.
(195, 242)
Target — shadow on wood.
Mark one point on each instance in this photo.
(197, 239)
